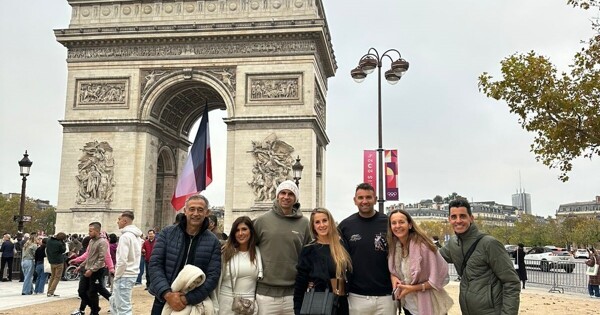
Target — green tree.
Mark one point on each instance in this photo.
(562, 110)
(436, 228)
(41, 220)
(438, 199)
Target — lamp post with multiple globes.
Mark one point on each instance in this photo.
(366, 65)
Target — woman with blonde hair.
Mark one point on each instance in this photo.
(241, 266)
(322, 260)
(27, 264)
(418, 271)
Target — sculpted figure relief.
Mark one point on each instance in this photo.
(95, 173)
(274, 89)
(273, 165)
(101, 93)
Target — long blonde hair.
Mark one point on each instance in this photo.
(415, 233)
(340, 256)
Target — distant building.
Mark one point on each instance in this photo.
(522, 201)
(580, 208)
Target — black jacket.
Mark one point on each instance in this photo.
(315, 265)
(168, 257)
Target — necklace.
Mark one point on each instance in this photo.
(404, 252)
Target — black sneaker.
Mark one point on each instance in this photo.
(78, 312)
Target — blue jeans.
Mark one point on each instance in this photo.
(120, 300)
(139, 277)
(594, 290)
(41, 278)
(27, 267)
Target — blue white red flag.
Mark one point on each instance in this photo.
(197, 172)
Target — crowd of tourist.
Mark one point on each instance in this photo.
(371, 263)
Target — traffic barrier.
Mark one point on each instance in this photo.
(557, 279)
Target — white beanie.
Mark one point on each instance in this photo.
(289, 185)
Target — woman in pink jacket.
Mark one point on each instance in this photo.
(418, 271)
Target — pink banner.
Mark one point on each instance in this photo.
(391, 175)
(369, 168)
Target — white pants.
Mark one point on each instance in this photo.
(269, 305)
(371, 305)
(120, 300)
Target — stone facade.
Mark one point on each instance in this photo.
(139, 75)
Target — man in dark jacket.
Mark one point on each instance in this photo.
(55, 250)
(8, 253)
(189, 242)
(489, 284)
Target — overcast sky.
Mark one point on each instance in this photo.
(450, 137)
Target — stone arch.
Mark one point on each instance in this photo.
(166, 179)
(163, 67)
(196, 87)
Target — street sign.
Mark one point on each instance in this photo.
(26, 218)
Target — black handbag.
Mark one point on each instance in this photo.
(318, 303)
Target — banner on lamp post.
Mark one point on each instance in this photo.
(369, 168)
(391, 175)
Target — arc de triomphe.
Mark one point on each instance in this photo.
(140, 73)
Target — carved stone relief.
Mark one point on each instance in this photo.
(195, 8)
(95, 174)
(227, 76)
(151, 76)
(274, 87)
(320, 105)
(96, 93)
(195, 50)
(273, 164)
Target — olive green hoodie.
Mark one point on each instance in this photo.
(280, 238)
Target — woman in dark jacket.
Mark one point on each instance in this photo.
(519, 255)
(40, 254)
(322, 260)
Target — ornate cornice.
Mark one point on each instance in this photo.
(279, 122)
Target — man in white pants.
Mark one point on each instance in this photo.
(129, 252)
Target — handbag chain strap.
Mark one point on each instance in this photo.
(231, 277)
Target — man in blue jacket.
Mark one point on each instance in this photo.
(188, 242)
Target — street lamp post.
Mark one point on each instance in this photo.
(297, 170)
(25, 165)
(366, 66)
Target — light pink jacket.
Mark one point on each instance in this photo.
(107, 259)
(425, 265)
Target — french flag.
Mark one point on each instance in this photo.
(197, 172)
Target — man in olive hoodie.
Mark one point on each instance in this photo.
(489, 284)
(281, 234)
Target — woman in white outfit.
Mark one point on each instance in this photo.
(240, 265)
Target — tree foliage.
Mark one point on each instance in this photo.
(579, 232)
(41, 220)
(562, 110)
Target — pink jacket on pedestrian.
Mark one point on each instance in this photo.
(107, 258)
(425, 266)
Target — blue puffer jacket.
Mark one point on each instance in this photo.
(168, 254)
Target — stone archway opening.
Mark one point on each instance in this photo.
(178, 108)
